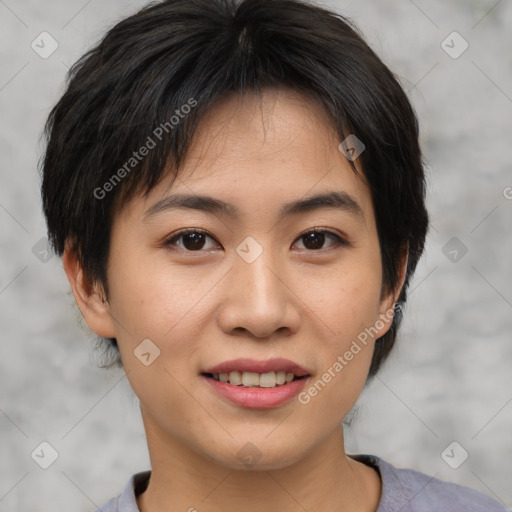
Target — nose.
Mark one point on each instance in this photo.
(258, 299)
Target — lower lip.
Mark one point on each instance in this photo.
(258, 398)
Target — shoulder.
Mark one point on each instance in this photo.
(111, 505)
(126, 501)
(407, 489)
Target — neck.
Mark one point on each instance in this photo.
(325, 479)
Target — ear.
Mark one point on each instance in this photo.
(388, 301)
(89, 297)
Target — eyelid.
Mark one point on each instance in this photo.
(319, 229)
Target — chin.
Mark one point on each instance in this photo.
(258, 456)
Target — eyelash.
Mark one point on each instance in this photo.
(175, 236)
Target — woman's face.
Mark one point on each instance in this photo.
(258, 284)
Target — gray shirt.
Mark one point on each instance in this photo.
(403, 490)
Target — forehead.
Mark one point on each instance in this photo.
(264, 132)
(253, 151)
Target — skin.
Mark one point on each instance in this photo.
(201, 307)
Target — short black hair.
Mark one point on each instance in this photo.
(158, 72)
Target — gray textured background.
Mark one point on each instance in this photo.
(449, 378)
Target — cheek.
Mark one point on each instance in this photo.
(151, 302)
(347, 301)
(347, 312)
(345, 352)
(152, 296)
(162, 306)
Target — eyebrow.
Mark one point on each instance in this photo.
(338, 200)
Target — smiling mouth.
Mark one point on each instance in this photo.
(255, 380)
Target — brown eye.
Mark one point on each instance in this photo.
(193, 240)
(314, 240)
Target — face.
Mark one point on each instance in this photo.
(254, 280)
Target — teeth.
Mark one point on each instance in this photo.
(235, 378)
(252, 379)
(268, 380)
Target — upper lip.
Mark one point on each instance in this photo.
(259, 366)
